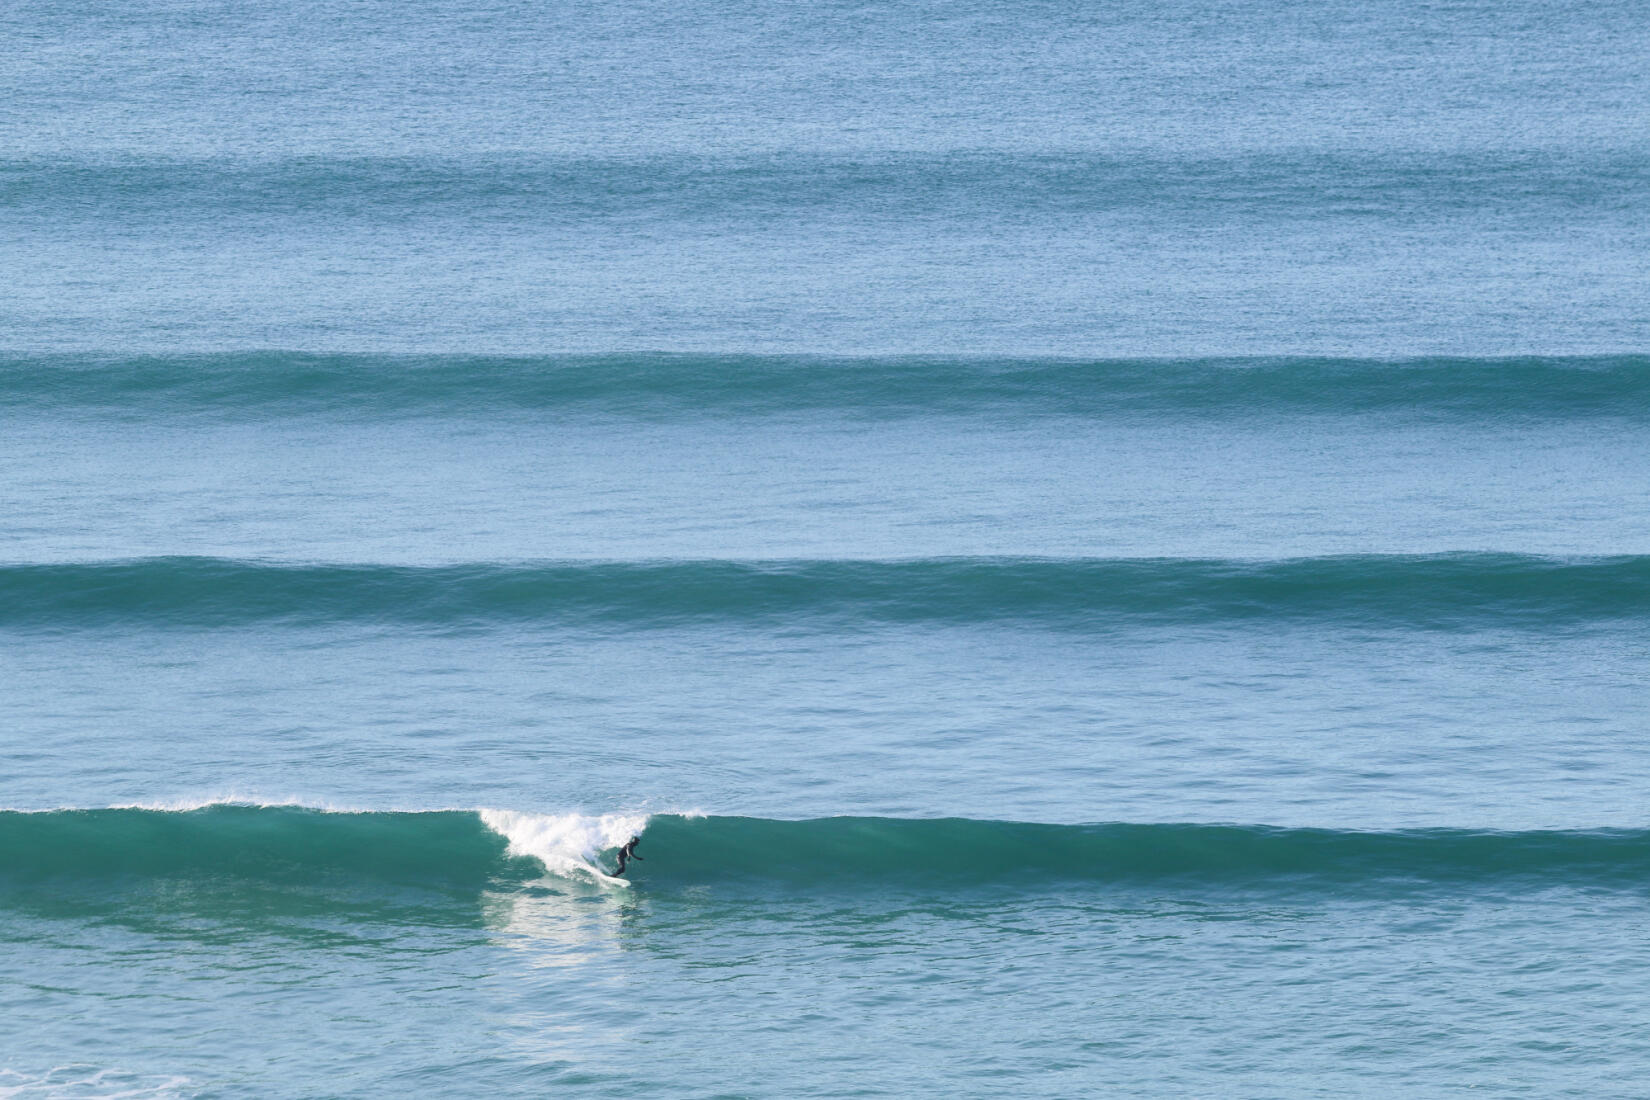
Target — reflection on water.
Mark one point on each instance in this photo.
(557, 922)
(570, 996)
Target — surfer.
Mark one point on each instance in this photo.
(627, 853)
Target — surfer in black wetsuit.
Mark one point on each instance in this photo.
(627, 853)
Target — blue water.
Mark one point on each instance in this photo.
(1103, 550)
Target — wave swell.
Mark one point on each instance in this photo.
(503, 848)
(971, 851)
(1435, 591)
(659, 386)
(537, 191)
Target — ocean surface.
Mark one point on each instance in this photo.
(1103, 549)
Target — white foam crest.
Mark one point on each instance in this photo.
(208, 802)
(88, 1081)
(567, 844)
(188, 804)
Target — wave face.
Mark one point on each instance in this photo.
(496, 848)
(1441, 591)
(277, 843)
(248, 385)
(297, 843)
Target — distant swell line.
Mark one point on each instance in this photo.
(660, 386)
(606, 191)
(1442, 591)
(458, 849)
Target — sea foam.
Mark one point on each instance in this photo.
(564, 843)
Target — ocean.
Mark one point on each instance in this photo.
(1102, 549)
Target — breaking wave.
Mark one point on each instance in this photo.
(498, 848)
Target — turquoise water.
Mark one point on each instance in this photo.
(1103, 550)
